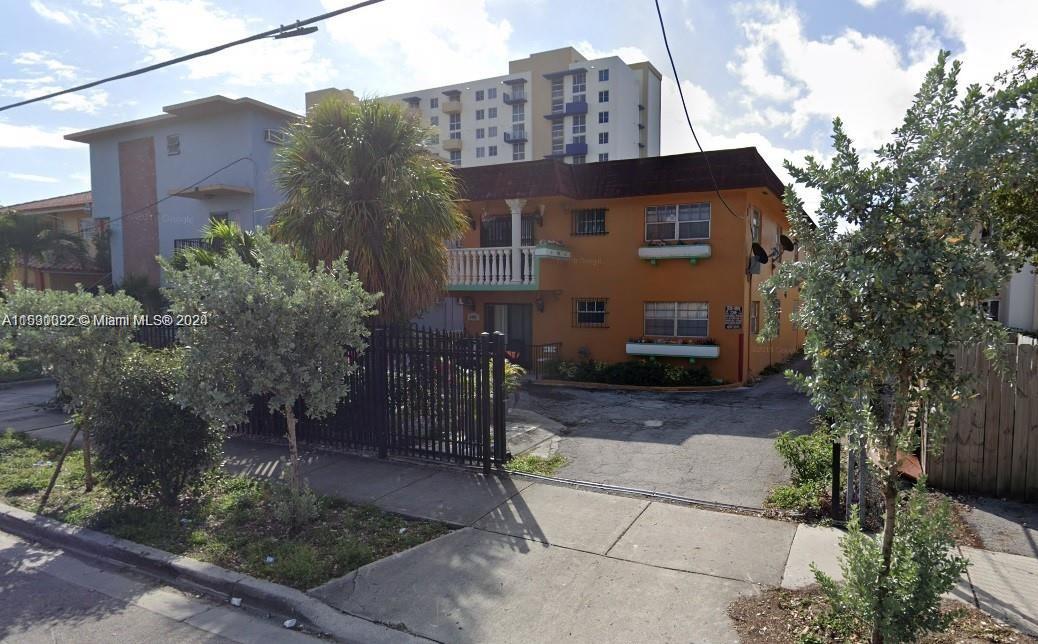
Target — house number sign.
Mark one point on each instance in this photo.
(732, 317)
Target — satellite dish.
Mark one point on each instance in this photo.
(786, 243)
(759, 253)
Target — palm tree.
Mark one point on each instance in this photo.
(220, 236)
(29, 237)
(357, 179)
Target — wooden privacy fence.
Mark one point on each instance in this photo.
(991, 446)
(416, 392)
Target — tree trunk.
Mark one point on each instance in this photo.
(296, 480)
(88, 468)
(889, 523)
(57, 470)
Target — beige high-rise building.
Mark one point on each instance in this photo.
(552, 104)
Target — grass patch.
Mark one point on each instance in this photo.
(533, 464)
(228, 523)
(780, 616)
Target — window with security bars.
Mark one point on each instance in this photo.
(677, 319)
(589, 221)
(677, 222)
(589, 312)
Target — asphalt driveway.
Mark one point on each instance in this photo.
(715, 446)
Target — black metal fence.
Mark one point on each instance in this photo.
(416, 392)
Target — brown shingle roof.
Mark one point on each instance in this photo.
(81, 199)
(734, 169)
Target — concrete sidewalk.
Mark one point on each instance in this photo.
(1001, 584)
(536, 562)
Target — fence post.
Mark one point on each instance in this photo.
(483, 406)
(377, 365)
(499, 393)
(835, 504)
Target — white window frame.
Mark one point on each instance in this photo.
(491, 112)
(480, 133)
(492, 151)
(603, 96)
(579, 124)
(455, 157)
(603, 75)
(677, 311)
(603, 138)
(434, 102)
(603, 117)
(603, 156)
(518, 152)
(479, 95)
(491, 131)
(676, 221)
(480, 152)
(579, 84)
(491, 93)
(480, 115)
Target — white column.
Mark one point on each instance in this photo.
(516, 207)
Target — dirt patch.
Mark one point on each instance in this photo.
(778, 616)
(965, 535)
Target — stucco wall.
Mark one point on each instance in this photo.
(607, 266)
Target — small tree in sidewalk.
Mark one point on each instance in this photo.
(891, 281)
(78, 338)
(272, 328)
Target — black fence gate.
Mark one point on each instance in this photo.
(416, 392)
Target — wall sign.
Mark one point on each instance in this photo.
(473, 317)
(732, 317)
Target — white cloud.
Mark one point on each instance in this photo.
(70, 17)
(627, 53)
(862, 78)
(35, 178)
(26, 137)
(44, 74)
(417, 43)
(988, 34)
(169, 28)
(868, 4)
(53, 15)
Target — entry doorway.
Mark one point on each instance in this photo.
(515, 321)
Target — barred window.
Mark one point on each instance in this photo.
(589, 312)
(589, 221)
(680, 221)
(755, 317)
(677, 319)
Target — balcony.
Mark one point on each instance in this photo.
(515, 136)
(452, 145)
(451, 107)
(494, 269)
(511, 98)
(576, 149)
(576, 108)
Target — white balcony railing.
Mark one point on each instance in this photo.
(490, 267)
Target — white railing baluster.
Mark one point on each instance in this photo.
(488, 266)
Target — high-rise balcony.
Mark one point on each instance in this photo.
(576, 148)
(451, 107)
(452, 145)
(579, 107)
(498, 268)
(510, 98)
(517, 135)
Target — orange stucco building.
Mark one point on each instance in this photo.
(623, 259)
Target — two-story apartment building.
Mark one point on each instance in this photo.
(627, 258)
(159, 180)
(73, 214)
(555, 104)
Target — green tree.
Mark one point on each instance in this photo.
(357, 179)
(29, 237)
(892, 276)
(276, 329)
(89, 341)
(221, 237)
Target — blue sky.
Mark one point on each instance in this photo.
(768, 73)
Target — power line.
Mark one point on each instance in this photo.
(112, 220)
(688, 118)
(297, 29)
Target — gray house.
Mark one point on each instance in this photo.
(158, 180)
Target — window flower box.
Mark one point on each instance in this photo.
(673, 350)
(551, 249)
(691, 252)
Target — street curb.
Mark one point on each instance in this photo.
(15, 384)
(201, 577)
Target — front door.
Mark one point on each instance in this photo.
(515, 321)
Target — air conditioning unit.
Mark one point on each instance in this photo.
(277, 137)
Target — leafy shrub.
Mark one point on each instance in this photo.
(809, 459)
(294, 509)
(923, 567)
(140, 288)
(149, 447)
(648, 373)
(513, 377)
